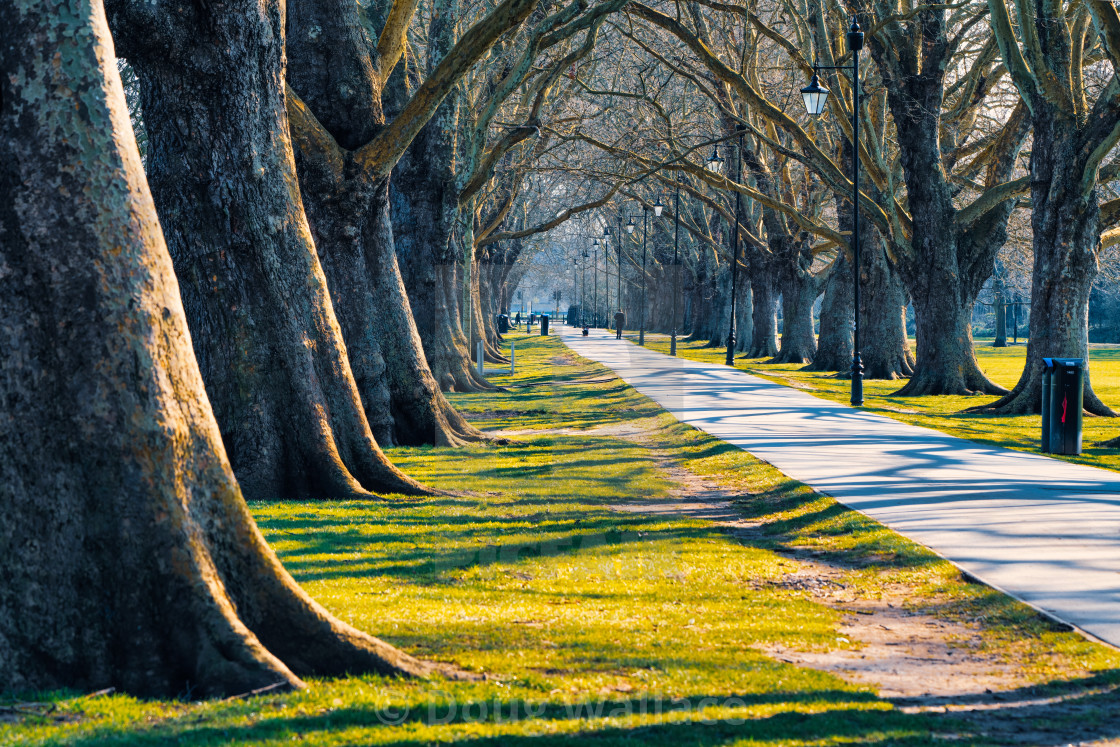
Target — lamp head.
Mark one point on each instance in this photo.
(630, 225)
(815, 96)
(715, 163)
(658, 207)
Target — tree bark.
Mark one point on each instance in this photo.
(834, 342)
(1065, 221)
(100, 375)
(946, 263)
(886, 348)
(764, 299)
(800, 289)
(348, 208)
(1000, 308)
(223, 177)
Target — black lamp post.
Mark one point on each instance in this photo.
(595, 283)
(676, 264)
(815, 96)
(607, 270)
(715, 165)
(583, 303)
(642, 310)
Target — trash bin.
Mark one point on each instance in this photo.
(503, 323)
(544, 325)
(1063, 393)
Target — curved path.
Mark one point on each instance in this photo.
(1043, 530)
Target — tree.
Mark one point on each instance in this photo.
(131, 559)
(1071, 138)
(348, 148)
(223, 177)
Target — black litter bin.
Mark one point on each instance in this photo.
(503, 323)
(544, 325)
(1063, 393)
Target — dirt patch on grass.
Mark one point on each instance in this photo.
(920, 661)
(617, 430)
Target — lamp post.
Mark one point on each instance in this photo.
(629, 232)
(642, 309)
(607, 270)
(676, 263)
(583, 303)
(815, 96)
(595, 286)
(715, 165)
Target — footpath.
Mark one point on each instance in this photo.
(1043, 530)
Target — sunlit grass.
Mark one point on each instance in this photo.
(590, 624)
(946, 413)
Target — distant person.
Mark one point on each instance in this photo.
(518, 318)
(619, 323)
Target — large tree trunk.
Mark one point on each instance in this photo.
(1066, 227)
(885, 348)
(764, 320)
(744, 315)
(834, 342)
(223, 176)
(943, 277)
(799, 293)
(946, 263)
(348, 211)
(144, 570)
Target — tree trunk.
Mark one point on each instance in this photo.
(764, 325)
(799, 294)
(834, 343)
(744, 316)
(100, 375)
(885, 348)
(1000, 308)
(1066, 227)
(223, 177)
(348, 210)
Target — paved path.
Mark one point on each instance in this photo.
(1043, 530)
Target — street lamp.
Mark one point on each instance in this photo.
(630, 225)
(583, 302)
(715, 165)
(595, 275)
(676, 263)
(658, 207)
(815, 96)
(642, 311)
(607, 270)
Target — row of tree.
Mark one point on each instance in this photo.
(333, 199)
(977, 120)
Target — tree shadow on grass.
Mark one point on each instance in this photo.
(819, 717)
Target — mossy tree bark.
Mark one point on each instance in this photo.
(223, 177)
(144, 570)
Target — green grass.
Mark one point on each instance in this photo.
(945, 413)
(592, 625)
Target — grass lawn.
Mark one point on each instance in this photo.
(944, 413)
(594, 625)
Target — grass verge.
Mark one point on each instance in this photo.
(593, 625)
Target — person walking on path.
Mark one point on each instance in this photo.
(619, 323)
